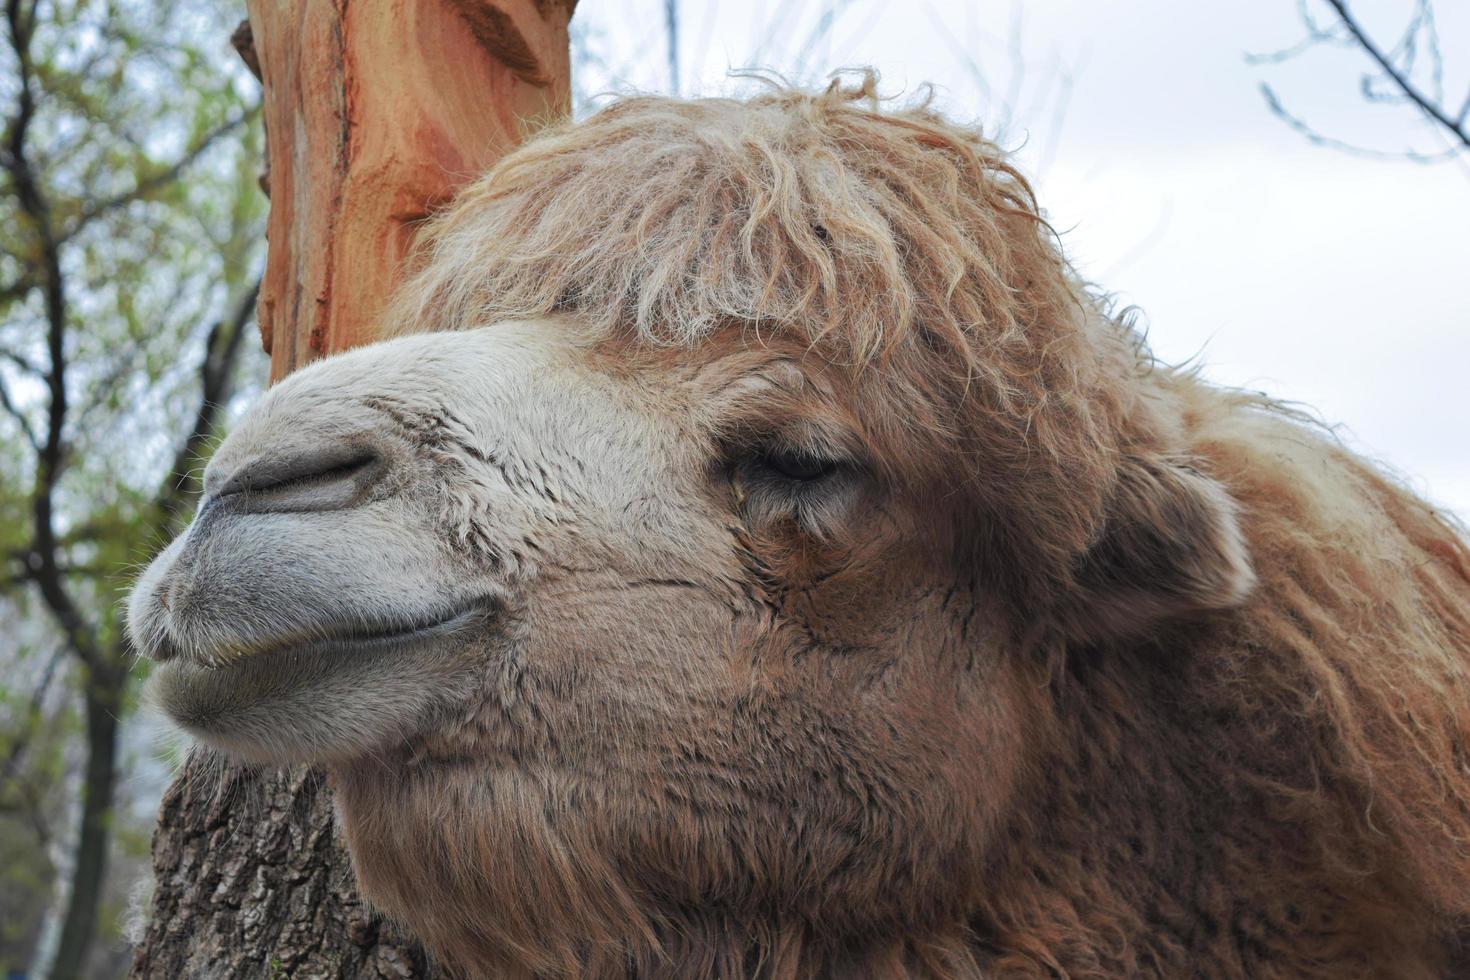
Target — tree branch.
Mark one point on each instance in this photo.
(23, 363)
(1273, 102)
(30, 805)
(216, 380)
(22, 741)
(15, 413)
(16, 290)
(24, 574)
(1426, 105)
(160, 178)
(50, 456)
(671, 42)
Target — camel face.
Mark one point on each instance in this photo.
(373, 533)
(665, 578)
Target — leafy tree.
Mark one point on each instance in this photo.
(130, 236)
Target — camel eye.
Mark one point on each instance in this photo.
(795, 465)
(814, 492)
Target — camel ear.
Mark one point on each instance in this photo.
(1171, 546)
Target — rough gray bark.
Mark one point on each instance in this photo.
(253, 882)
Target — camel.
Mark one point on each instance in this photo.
(754, 552)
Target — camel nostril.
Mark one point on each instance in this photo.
(284, 473)
(326, 479)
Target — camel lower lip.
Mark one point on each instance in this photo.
(323, 699)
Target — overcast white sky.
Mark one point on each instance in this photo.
(1328, 279)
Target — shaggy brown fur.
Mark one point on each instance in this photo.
(1226, 663)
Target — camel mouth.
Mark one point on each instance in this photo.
(349, 638)
(322, 698)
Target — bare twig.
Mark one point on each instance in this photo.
(13, 410)
(1392, 82)
(16, 290)
(1060, 104)
(21, 742)
(821, 31)
(23, 574)
(671, 40)
(1273, 102)
(216, 381)
(159, 178)
(1427, 105)
(29, 804)
(22, 362)
(960, 52)
(1016, 73)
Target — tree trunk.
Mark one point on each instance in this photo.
(375, 112)
(387, 107)
(78, 929)
(251, 881)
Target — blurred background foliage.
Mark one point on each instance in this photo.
(131, 239)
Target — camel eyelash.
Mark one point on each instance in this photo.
(796, 465)
(777, 482)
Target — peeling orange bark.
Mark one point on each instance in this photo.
(376, 111)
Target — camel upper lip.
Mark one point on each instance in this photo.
(335, 637)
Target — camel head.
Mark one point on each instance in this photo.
(702, 570)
